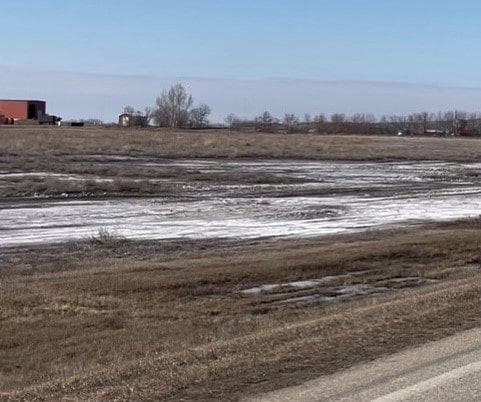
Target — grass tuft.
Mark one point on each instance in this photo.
(106, 237)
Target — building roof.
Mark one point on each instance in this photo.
(22, 100)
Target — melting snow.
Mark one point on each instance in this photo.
(339, 211)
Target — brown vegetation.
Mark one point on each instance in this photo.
(51, 186)
(42, 140)
(165, 321)
(109, 319)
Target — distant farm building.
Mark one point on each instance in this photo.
(124, 119)
(133, 120)
(22, 109)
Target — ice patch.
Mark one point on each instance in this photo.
(300, 284)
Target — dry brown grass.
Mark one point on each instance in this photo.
(28, 139)
(47, 186)
(159, 326)
(114, 320)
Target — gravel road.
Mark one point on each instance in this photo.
(445, 370)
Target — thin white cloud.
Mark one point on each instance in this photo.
(80, 95)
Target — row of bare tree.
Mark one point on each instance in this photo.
(441, 121)
(174, 108)
(361, 123)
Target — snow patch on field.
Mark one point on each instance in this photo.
(411, 193)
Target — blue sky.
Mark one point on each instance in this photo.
(211, 45)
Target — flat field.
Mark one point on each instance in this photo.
(221, 318)
(223, 143)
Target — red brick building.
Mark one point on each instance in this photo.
(22, 109)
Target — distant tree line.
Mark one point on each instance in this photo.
(175, 109)
(291, 123)
(451, 122)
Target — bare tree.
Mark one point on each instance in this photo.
(357, 118)
(139, 119)
(449, 120)
(459, 121)
(384, 123)
(173, 108)
(420, 121)
(320, 121)
(148, 115)
(232, 120)
(307, 123)
(338, 118)
(290, 122)
(128, 110)
(475, 121)
(399, 122)
(265, 122)
(198, 116)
